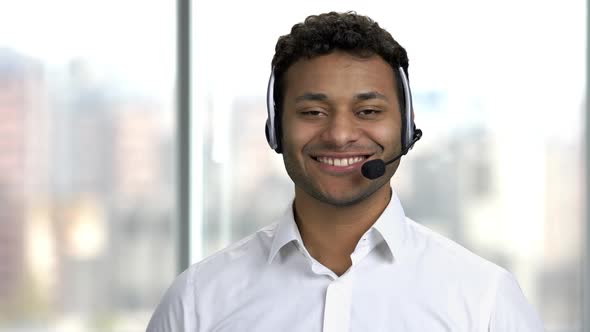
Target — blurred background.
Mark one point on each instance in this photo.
(95, 223)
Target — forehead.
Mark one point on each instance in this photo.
(341, 73)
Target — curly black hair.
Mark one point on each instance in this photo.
(328, 32)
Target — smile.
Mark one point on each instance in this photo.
(340, 162)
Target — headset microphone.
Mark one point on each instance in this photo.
(375, 168)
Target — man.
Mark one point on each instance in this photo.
(343, 257)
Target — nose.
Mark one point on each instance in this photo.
(341, 130)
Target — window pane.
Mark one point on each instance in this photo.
(87, 163)
(498, 93)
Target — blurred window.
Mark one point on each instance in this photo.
(87, 163)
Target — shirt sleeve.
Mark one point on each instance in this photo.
(511, 311)
(176, 311)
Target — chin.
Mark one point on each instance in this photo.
(339, 199)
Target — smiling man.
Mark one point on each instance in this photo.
(343, 256)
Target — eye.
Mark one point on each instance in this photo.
(312, 113)
(369, 113)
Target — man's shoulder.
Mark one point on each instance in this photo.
(448, 256)
(225, 270)
(474, 280)
(239, 257)
(436, 263)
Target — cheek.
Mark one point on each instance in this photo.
(388, 135)
(296, 137)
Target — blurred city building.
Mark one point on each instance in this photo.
(22, 99)
(87, 186)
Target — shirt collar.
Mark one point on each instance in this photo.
(390, 225)
(285, 232)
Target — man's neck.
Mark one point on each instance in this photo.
(330, 233)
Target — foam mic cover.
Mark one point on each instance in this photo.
(373, 169)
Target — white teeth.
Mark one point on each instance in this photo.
(340, 162)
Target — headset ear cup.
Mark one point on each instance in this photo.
(404, 143)
(272, 128)
(406, 110)
(278, 132)
(402, 109)
(410, 133)
(267, 134)
(266, 131)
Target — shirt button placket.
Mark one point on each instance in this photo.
(338, 305)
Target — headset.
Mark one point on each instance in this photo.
(374, 168)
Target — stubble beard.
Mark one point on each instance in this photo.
(306, 184)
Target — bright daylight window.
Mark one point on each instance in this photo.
(87, 163)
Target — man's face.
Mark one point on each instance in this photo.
(338, 112)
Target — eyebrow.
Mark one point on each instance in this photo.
(370, 95)
(310, 96)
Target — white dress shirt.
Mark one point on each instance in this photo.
(404, 277)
